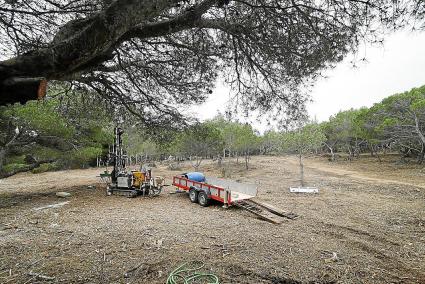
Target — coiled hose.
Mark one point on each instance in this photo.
(187, 272)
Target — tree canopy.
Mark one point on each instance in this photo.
(197, 142)
(155, 56)
(73, 132)
(56, 131)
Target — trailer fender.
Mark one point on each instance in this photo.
(206, 190)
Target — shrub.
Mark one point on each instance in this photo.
(18, 159)
(14, 167)
(45, 167)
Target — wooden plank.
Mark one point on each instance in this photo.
(273, 209)
(268, 216)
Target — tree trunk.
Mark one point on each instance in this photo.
(377, 154)
(197, 163)
(246, 161)
(357, 152)
(332, 152)
(350, 153)
(2, 156)
(421, 155)
(418, 130)
(301, 170)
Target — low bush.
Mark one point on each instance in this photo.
(45, 167)
(14, 167)
(17, 159)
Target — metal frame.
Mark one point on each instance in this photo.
(187, 184)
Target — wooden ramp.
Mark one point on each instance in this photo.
(274, 210)
(264, 211)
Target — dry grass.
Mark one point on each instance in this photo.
(375, 229)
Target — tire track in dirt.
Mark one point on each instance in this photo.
(360, 233)
(375, 243)
(391, 262)
(395, 267)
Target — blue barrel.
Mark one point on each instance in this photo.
(195, 176)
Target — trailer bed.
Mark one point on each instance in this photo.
(217, 188)
(239, 194)
(236, 196)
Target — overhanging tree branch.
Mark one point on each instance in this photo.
(173, 51)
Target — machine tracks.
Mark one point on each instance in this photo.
(264, 211)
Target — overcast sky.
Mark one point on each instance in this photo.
(396, 67)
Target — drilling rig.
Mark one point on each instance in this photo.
(130, 183)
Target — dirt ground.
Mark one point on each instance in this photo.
(367, 225)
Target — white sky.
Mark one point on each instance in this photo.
(396, 67)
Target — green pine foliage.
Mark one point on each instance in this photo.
(58, 132)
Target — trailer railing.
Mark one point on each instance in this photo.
(216, 193)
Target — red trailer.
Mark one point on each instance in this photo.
(225, 191)
(230, 193)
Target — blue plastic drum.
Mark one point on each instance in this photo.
(195, 176)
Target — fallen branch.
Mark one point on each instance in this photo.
(128, 272)
(56, 205)
(41, 276)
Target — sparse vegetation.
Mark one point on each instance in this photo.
(75, 139)
(78, 77)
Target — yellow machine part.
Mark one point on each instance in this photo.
(138, 178)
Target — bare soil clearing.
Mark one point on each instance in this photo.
(367, 168)
(356, 230)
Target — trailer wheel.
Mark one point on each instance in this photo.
(203, 199)
(193, 195)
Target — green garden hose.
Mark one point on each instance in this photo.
(187, 273)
